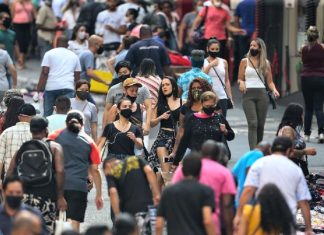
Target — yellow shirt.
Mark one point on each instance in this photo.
(252, 216)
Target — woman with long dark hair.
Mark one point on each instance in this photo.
(312, 82)
(11, 115)
(71, 12)
(79, 39)
(193, 105)
(270, 215)
(166, 113)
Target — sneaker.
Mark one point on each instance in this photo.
(306, 138)
(321, 138)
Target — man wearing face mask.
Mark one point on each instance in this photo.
(13, 194)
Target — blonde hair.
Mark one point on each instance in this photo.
(208, 95)
(263, 62)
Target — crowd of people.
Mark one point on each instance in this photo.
(181, 184)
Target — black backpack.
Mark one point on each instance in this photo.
(34, 163)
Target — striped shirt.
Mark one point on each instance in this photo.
(153, 84)
(11, 140)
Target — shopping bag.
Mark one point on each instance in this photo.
(61, 224)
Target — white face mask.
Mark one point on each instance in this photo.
(217, 3)
(81, 35)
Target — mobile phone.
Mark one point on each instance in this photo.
(168, 159)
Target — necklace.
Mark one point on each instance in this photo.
(123, 127)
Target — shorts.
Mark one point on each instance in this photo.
(77, 204)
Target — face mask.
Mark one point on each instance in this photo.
(254, 52)
(14, 202)
(81, 35)
(218, 4)
(126, 113)
(122, 78)
(213, 54)
(6, 22)
(132, 99)
(100, 50)
(198, 9)
(209, 110)
(196, 93)
(83, 95)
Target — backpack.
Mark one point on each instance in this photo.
(34, 163)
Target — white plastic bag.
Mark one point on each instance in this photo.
(61, 224)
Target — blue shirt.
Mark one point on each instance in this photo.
(87, 62)
(239, 170)
(186, 78)
(246, 11)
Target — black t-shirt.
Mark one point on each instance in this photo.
(148, 48)
(186, 111)
(181, 206)
(173, 120)
(119, 142)
(133, 188)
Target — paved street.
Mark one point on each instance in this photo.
(29, 77)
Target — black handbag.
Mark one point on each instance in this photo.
(229, 101)
(270, 94)
(198, 34)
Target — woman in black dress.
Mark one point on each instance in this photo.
(204, 125)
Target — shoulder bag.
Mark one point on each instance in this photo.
(272, 98)
(229, 101)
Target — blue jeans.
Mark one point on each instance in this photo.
(51, 96)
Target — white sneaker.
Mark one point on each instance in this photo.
(306, 138)
(321, 138)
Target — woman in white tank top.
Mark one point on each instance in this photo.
(217, 69)
(251, 84)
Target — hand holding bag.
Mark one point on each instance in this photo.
(200, 30)
(270, 94)
(61, 224)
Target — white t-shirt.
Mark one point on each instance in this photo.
(252, 79)
(71, 18)
(56, 121)
(114, 19)
(62, 64)
(217, 85)
(123, 8)
(57, 6)
(282, 172)
(76, 47)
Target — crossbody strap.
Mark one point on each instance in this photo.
(264, 83)
(223, 85)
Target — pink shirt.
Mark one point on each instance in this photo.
(215, 22)
(23, 12)
(217, 177)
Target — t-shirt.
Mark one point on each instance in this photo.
(8, 39)
(62, 64)
(218, 178)
(113, 18)
(133, 188)
(246, 11)
(119, 142)
(46, 18)
(89, 111)
(87, 62)
(239, 170)
(181, 206)
(123, 8)
(186, 78)
(57, 6)
(188, 19)
(148, 48)
(70, 18)
(5, 61)
(79, 153)
(282, 172)
(153, 84)
(215, 22)
(116, 92)
(76, 47)
(55, 122)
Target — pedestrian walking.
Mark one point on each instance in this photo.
(10, 117)
(79, 39)
(312, 82)
(57, 120)
(60, 70)
(187, 206)
(254, 79)
(217, 69)
(6, 68)
(81, 156)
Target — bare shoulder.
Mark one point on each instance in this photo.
(55, 146)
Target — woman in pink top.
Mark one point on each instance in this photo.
(23, 14)
(216, 19)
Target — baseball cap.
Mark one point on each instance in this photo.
(131, 82)
(38, 124)
(27, 110)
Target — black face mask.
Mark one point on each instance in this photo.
(14, 202)
(254, 52)
(83, 95)
(6, 22)
(213, 54)
(209, 110)
(132, 99)
(122, 78)
(126, 113)
(100, 50)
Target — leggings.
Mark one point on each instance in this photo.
(255, 106)
(313, 92)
